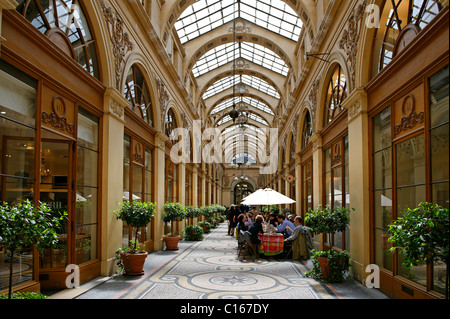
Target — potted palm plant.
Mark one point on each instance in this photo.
(423, 234)
(135, 214)
(173, 212)
(25, 225)
(330, 265)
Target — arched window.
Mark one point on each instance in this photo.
(336, 94)
(137, 92)
(64, 23)
(405, 17)
(307, 130)
(170, 124)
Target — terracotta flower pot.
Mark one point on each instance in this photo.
(133, 264)
(171, 242)
(325, 267)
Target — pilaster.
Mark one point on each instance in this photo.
(112, 176)
(160, 158)
(358, 140)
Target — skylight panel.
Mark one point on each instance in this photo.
(227, 52)
(269, 14)
(201, 14)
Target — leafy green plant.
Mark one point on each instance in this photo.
(25, 225)
(207, 226)
(423, 234)
(24, 295)
(327, 220)
(192, 212)
(273, 209)
(338, 263)
(136, 214)
(193, 233)
(173, 212)
(207, 211)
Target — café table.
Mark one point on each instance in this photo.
(271, 244)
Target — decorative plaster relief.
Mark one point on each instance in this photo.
(121, 44)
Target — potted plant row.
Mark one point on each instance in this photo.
(330, 265)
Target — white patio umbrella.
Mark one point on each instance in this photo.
(268, 197)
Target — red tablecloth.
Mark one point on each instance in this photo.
(271, 244)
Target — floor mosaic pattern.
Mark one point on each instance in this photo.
(211, 269)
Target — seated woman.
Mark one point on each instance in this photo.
(256, 229)
(242, 223)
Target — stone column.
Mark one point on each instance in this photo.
(298, 185)
(112, 177)
(182, 191)
(317, 169)
(359, 176)
(160, 157)
(195, 189)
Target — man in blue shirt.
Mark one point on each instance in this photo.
(282, 224)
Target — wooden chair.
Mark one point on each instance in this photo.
(288, 248)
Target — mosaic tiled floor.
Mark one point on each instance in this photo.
(211, 269)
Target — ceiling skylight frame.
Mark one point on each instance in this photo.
(252, 52)
(252, 81)
(206, 15)
(246, 99)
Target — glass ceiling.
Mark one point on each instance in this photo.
(252, 81)
(226, 53)
(275, 16)
(252, 116)
(206, 15)
(248, 100)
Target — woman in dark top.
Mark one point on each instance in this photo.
(256, 229)
(241, 222)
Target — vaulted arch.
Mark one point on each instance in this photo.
(207, 81)
(265, 39)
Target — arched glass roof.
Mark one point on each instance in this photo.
(249, 80)
(252, 116)
(206, 15)
(258, 95)
(226, 53)
(248, 100)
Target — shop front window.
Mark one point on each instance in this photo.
(17, 149)
(86, 238)
(409, 167)
(336, 185)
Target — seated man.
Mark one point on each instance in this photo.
(283, 223)
(300, 239)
